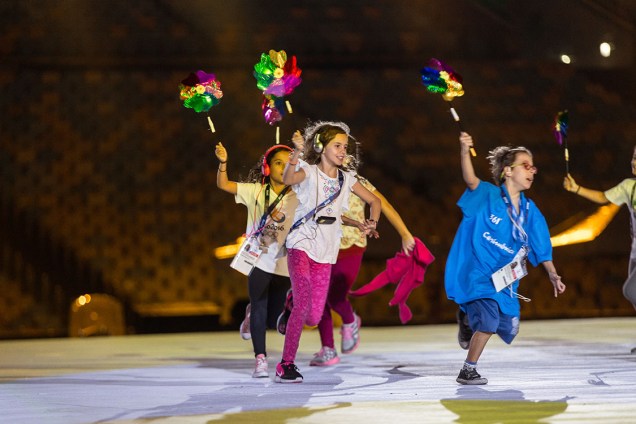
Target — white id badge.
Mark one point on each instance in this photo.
(512, 272)
(247, 256)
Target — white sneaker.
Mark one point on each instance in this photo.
(350, 335)
(245, 325)
(260, 368)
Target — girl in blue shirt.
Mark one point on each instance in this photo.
(500, 228)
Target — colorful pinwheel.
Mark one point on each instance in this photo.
(277, 76)
(439, 78)
(560, 131)
(200, 91)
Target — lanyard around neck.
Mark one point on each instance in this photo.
(517, 218)
(324, 203)
(269, 208)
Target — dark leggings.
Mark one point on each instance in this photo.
(267, 296)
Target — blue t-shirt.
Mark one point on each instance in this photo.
(484, 243)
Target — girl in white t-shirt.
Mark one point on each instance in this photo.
(622, 193)
(322, 187)
(270, 213)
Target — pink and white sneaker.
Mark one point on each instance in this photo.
(350, 335)
(260, 368)
(327, 356)
(245, 325)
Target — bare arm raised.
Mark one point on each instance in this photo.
(468, 172)
(292, 176)
(222, 180)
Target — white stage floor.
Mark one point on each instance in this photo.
(570, 371)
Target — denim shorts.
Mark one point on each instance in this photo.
(484, 315)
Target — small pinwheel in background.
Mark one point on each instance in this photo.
(200, 91)
(585, 228)
(277, 76)
(439, 78)
(560, 131)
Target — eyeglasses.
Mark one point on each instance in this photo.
(527, 166)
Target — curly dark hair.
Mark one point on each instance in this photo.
(503, 156)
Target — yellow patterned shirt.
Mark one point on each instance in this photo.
(351, 235)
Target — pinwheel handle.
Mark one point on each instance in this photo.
(453, 112)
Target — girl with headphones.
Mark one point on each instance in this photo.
(322, 187)
(270, 211)
(344, 272)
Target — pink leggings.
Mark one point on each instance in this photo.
(343, 274)
(310, 283)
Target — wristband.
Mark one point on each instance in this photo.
(577, 190)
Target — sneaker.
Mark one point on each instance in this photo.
(633, 350)
(286, 372)
(465, 333)
(350, 335)
(327, 356)
(260, 369)
(245, 325)
(471, 377)
(281, 322)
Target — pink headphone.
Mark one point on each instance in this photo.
(265, 166)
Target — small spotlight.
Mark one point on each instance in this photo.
(566, 59)
(605, 49)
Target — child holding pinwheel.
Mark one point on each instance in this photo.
(270, 211)
(500, 230)
(623, 193)
(322, 187)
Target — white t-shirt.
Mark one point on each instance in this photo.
(321, 242)
(625, 192)
(277, 224)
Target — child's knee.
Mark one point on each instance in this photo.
(313, 319)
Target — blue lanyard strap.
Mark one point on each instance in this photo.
(324, 203)
(518, 219)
